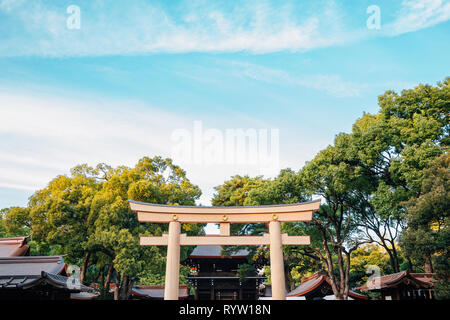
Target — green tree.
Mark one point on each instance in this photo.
(86, 215)
(3, 233)
(285, 188)
(393, 148)
(17, 221)
(370, 254)
(333, 175)
(246, 270)
(234, 192)
(427, 237)
(116, 229)
(61, 214)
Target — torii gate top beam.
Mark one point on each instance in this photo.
(148, 212)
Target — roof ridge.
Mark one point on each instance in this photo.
(14, 240)
(310, 277)
(21, 259)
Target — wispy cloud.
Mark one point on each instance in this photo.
(108, 28)
(44, 136)
(38, 27)
(332, 84)
(418, 14)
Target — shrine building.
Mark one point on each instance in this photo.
(215, 275)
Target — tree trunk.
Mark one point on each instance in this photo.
(84, 267)
(130, 287)
(116, 289)
(331, 276)
(342, 281)
(289, 281)
(108, 277)
(393, 257)
(428, 266)
(395, 264)
(125, 288)
(347, 274)
(98, 276)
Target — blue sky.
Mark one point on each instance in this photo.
(115, 89)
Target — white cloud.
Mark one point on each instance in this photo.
(40, 29)
(41, 137)
(329, 83)
(418, 14)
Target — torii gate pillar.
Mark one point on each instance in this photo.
(276, 262)
(173, 262)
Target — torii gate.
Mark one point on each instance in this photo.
(272, 214)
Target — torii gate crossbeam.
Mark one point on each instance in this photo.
(273, 215)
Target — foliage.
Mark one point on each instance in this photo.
(246, 270)
(285, 188)
(86, 216)
(17, 221)
(333, 175)
(235, 191)
(3, 233)
(368, 255)
(393, 148)
(427, 237)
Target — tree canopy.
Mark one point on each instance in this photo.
(86, 216)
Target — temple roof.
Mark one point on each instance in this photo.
(13, 247)
(45, 278)
(31, 265)
(27, 272)
(215, 252)
(142, 291)
(308, 285)
(423, 280)
(320, 284)
(157, 292)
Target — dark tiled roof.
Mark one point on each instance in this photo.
(27, 272)
(14, 247)
(316, 282)
(157, 292)
(214, 251)
(84, 295)
(308, 286)
(424, 280)
(31, 265)
(151, 291)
